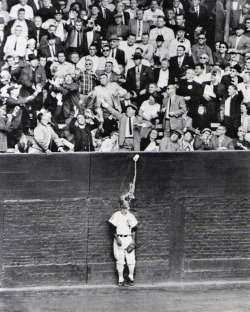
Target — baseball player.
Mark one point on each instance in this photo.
(123, 225)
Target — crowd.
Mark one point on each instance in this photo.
(122, 75)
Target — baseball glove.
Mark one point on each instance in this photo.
(130, 247)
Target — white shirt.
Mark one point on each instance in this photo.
(166, 32)
(123, 223)
(174, 44)
(148, 111)
(90, 36)
(103, 60)
(150, 15)
(94, 59)
(19, 42)
(163, 78)
(237, 41)
(129, 50)
(227, 106)
(29, 14)
(24, 26)
(63, 69)
(245, 90)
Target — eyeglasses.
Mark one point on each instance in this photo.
(106, 50)
(202, 38)
(241, 131)
(203, 57)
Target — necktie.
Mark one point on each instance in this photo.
(130, 126)
(168, 108)
(197, 11)
(113, 53)
(104, 13)
(138, 69)
(179, 61)
(139, 30)
(15, 45)
(78, 39)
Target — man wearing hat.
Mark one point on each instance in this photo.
(129, 126)
(160, 52)
(203, 142)
(52, 49)
(170, 144)
(31, 75)
(162, 30)
(179, 40)
(140, 76)
(118, 28)
(59, 22)
(116, 53)
(240, 43)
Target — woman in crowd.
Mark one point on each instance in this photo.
(245, 118)
(201, 119)
(221, 56)
(149, 144)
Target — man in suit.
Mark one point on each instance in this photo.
(138, 26)
(139, 76)
(112, 76)
(129, 127)
(191, 91)
(173, 107)
(104, 18)
(27, 25)
(230, 111)
(74, 41)
(220, 141)
(31, 75)
(116, 53)
(124, 15)
(197, 19)
(52, 49)
(36, 5)
(118, 28)
(178, 64)
(239, 43)
(239, 16)
(39, 31)
(44, 39)
(213, 92)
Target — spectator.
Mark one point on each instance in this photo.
(44, 135)
(220, 141)
(111, 144)
(82, 132)
(203, 141)
(245, 117)
(173, 107)
(170, 144)
(187, 141)
(149, 143)
(241, 144)
(201, 119)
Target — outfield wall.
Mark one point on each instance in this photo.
(193, 211)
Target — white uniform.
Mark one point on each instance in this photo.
(124, 225)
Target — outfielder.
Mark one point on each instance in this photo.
(124, 224)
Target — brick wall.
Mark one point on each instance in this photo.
(193, 211)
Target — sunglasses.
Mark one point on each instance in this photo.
(106, 50)
(203, 58)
